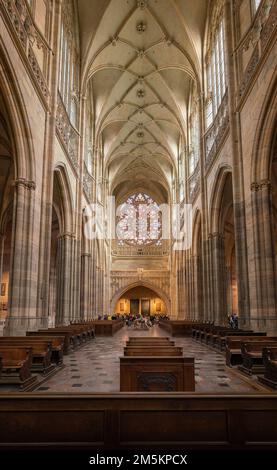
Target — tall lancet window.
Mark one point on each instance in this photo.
(193, 151)
(215, 73)
(69, 63)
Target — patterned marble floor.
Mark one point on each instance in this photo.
(95, 367)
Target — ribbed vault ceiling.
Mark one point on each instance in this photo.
(141, 58)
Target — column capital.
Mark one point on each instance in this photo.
(25, 183)
(66, 236)
(215, 235)
(260, 185)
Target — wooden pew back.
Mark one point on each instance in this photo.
(156, 373)
(152, 351)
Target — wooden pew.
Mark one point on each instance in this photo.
(157, 343)
(179, 328)
(204, 332)
(79, 335)
(149, 339)
(195, 331)
(214, 332)
(16, 365)
(41, 351)
(156, 373)
(74, 334)
(89, 326)
(233, 347)
(217, 340)
(57, 342)
(270, 364)
(67, 335)
(73, 338)
(145, 421)
(220, 342)
(107, 327)
(153, 351)
(252, 356)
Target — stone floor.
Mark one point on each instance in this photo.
(95, 367)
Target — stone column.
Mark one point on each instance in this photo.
(93, 289)
(22, 312)
(190, 289)
(238, 175)
(2, 248)
(208, 295)
(186, 286)
(85, 301)
(217, 274)
(65, 279)
(263, 276)
(229, 290)
(96, 294)
(198, 288)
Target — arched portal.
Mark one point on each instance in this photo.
(223, 247)
(7, 176)
(197, 253)
(61, 240)
(263, 279)
(142, 290)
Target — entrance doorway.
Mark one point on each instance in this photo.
(134, 306)
(140, 300)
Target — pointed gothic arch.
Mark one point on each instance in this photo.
(140, 283)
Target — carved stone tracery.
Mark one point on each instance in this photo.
(28, 34)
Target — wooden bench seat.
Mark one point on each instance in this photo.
(215, 332)
(41, 351)
(252, 356)
(181, 328)
(270, 364)
(71, 339)
(153, 351)
(88, 327)
(107, 327)
(218, 339)
(16, 365)
(157, 343)
(57, 343)
(221, 340)
(150, 340)
(233, 347)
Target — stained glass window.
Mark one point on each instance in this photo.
(215, 75)
(139, 221)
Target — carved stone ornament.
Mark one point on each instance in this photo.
(141, 93)
(141, 27)
(22, 23)
(142, 4)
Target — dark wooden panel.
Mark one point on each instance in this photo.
(174, 426)
(125, 419)
(107, 327)
(60, 426)
(156, 373)
(260, 426)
